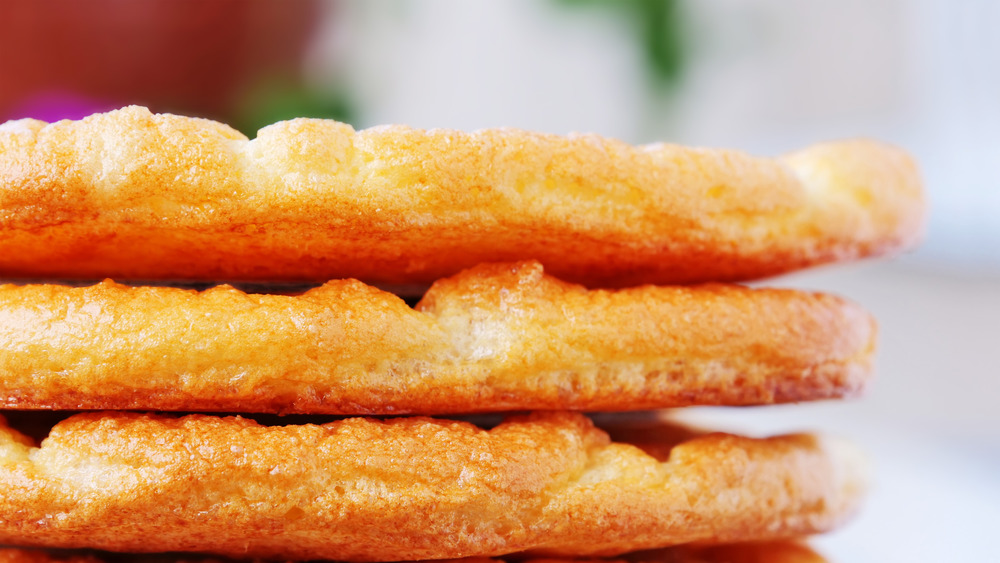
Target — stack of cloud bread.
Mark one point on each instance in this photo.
(553, 265)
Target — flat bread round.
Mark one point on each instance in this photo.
(497, 337)
(132, 195)
(759, 552)
(410, 488)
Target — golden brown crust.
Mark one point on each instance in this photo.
(754, 552)
(132, 195)
(16, 555)
(775, 552)
(758, 552)
(409, 488)
(497, 337)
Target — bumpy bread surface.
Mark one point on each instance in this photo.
(408, 488)
(758, 552)
(497, 337)
(132, 195)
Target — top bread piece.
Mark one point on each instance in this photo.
(137, 196)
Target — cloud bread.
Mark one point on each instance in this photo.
(496, 337)
(760, 552)
(409, 488)
(132, 195)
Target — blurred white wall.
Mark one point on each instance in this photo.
(477, 64)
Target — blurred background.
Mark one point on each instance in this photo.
(765, 76)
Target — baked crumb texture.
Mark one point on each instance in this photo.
(137, 196)
(493, 338)
(410, 488)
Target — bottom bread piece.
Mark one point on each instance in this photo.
(411, 488)
(760, 552)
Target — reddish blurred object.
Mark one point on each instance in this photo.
(67, 58)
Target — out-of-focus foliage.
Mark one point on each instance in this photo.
(659, 30)
(280, 100)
